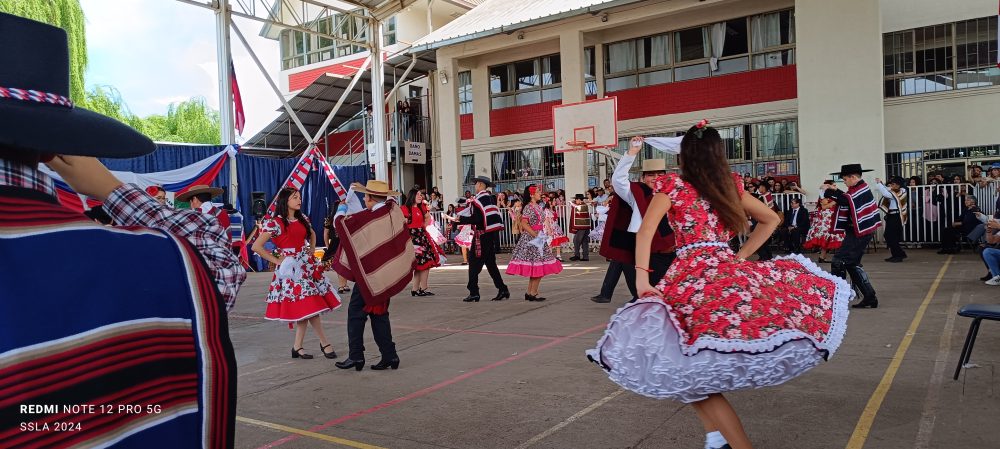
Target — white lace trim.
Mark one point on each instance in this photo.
(692, 246)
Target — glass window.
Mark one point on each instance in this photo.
(468, 167)
(933, 46)
(727, 66)
(897, 51)
(526, 74)
(551, 70)
(465, 92)
(589, 65)
(772, 30)
(620, 57)
(733, 139)
(976, 48)
(736, 41)
(620, 83)
(691, 72)
(653, 51)
(775, 139)
(499, 79)
(389, 31)
(658, 77)
(692, 44)
(529, 97)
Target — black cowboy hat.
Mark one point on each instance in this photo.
(899, 181)
(579, 196)
(35, 112)
(483, 180)
(850, 169)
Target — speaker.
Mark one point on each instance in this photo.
(259, 204)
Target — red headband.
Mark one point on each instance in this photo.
(153, 190)
(532, 190)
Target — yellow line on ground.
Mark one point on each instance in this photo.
(306, 433)
(864, 425)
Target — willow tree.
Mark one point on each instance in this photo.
(191, 121)
(65, 14)
(106, 100)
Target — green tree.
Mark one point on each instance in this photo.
(191, 121)
(108, 101)
(65, 14)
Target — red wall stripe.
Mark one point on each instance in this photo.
(468, 128)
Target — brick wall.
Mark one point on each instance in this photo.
(755, 86)
(521, 119)
(467, 128)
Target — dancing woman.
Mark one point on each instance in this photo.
(716, 322)
(299, 292)
(427, 252)
(532, 259)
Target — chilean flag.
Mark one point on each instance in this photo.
(237, 100)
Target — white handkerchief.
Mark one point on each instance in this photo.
(290, 268)
(669, 145)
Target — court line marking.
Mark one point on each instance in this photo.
(929, 415)
(474, 332)
(306, 433)
(438, 386)
(569, 420)
(864, 426)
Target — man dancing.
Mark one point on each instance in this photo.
(856, 217)
(893, 205)
(627, 209)
(485, 220)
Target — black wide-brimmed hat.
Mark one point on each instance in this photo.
(898, 180)
(483, 180)
(579, 196)
(850, 169)
(36, 113)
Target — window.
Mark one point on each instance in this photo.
(516, 169)
(775, 140)
(589, 72)
(465, 92)
(468, 168)
(389, 31)
(943, 57)
(526, 82)
(772, 39)
(731, 46)
(736, 146)
(300, 48)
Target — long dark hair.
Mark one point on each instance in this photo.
(411, 202)
(281, 210)
(700, 160)
(526, 198)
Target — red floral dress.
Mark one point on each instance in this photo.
(304, 296)
(821, 235)
(428, 253)
(724, 324)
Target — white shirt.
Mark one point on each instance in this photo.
(795, 216)
(886, 193)
(601, 198)
(619, 180)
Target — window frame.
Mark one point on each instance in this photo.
(773, 49)
(464, 103)
(515, 92)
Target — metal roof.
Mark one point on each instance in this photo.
(493, 17)
(381, 9)
(315, 102)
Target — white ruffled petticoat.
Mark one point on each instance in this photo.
(643, 351)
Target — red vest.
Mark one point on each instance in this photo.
(617, 243)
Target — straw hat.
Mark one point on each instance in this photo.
(373, 187)
(196, 189)
(654, 165)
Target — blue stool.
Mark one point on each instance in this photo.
(977, 312)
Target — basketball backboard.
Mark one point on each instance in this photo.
(586, 125)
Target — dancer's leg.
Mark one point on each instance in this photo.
(317, 324)
(722, 415)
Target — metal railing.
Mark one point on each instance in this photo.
(403, 127)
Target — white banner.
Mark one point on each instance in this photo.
(416, 152)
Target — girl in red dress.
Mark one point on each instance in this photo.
(428, 252)
(821, 235)
(299, 291)
(716, 322)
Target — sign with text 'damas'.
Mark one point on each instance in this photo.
(416, 152)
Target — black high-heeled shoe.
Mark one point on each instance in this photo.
(330, 355)
(358, 365)
(528, 297)
(299, 355)
(415, 293)
(426, 293)
(502, 295)
(384, 364)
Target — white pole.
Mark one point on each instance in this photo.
(224, 53)
(378, 97)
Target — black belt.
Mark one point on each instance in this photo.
(893, 212)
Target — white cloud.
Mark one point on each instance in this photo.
(159, 51)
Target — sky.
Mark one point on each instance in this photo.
(158, 52)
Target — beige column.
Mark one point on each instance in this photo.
(571, 57)
(449, 138)
(481, 102)
(839, 71)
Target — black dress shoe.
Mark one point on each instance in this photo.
(866, 303)
(471, 298)
(426, 293)
(504, 294)
(348, 364)
(600, 299)
(298, 354)
(385, 364)
(528, 297)
(330, 355)
(894, 259)
(574, 258)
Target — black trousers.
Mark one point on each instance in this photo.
(487, 258)
(659, 263)
(356, 317)
(894, 234)
(764, 253)
(793, 239)
(847, 261)
(581, 240)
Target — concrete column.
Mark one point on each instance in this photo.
(571, 57)
(839, 71)
(481, 102)
(450, 140)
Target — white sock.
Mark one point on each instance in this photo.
(714, 440)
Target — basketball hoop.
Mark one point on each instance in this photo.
(578, 144)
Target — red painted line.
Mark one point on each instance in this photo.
(433, 388)
(475, 332)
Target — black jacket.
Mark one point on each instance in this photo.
(801, 221)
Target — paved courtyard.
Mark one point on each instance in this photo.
(513, 374)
